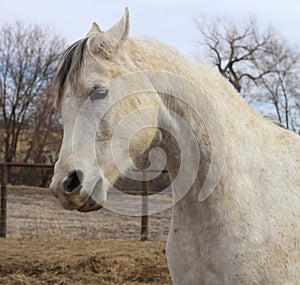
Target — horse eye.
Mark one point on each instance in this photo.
(98, 92)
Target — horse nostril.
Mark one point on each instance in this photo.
(73, 181)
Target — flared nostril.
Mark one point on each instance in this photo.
(73, 181)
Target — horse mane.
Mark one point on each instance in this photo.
(72, 60)
(69, 66)
(274, 121)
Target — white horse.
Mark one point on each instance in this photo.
(235, 175)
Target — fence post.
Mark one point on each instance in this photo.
(3, 203)
(144, 218)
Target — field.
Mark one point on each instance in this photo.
(49, 245)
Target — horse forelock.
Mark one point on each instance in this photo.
(69, 67)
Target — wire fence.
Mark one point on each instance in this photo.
(40, 215)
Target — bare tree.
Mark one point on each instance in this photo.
(258, 63)
(281, 86)
(43, 133)
(28, 55)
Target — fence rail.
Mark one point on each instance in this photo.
(3, 203)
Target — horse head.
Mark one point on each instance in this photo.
(93, 111)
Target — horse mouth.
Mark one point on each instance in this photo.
(90, 205)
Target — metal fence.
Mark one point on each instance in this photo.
(3, 205)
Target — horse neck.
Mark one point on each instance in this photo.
(190, 217)
(185, 140)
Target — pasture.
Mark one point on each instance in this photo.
(48, 245)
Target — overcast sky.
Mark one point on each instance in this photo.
(170, 21)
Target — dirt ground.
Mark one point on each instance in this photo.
(48, 245)
(34, 212)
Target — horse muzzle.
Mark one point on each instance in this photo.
(73, 192)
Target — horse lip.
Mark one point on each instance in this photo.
(89, 205)
(93, 203)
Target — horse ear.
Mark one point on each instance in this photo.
(120, 31)
(95, 29)
(108, 42)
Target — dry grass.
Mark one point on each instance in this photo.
(49, 245)
(36, 261)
